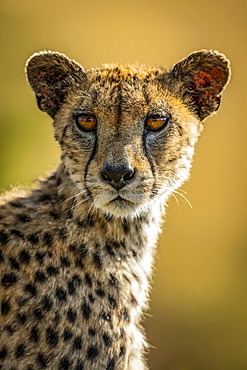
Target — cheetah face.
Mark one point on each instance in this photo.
(127, 133)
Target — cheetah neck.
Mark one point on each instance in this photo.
(130, 242)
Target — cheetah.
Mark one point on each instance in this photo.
(76, 250)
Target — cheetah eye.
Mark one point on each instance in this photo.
(154, 123)
(86, 122)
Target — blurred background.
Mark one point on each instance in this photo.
(198, 312)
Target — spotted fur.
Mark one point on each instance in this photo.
(76, 253)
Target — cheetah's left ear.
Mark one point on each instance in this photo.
(201, 78)
(51, 76)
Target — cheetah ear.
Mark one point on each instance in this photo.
(51, 75)
(202, 77)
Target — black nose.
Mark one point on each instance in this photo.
(117, 177)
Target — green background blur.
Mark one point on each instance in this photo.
(198, 315)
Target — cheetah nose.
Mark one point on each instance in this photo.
(117, 177)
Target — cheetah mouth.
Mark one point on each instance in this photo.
(121, 200)
(118, 198)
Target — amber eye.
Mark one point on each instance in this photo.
(155, 123)
(87, 123)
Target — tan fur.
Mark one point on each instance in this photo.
(75, 261)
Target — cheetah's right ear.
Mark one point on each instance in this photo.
(51, 75)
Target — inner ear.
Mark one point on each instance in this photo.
(201, 78)
(51, 76)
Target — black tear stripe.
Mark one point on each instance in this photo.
(152, 166)
(94, 151)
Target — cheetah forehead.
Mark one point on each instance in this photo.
(124, 72)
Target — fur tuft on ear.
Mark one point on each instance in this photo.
(50, 74)
(202, 77)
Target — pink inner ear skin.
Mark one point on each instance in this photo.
(215, 75)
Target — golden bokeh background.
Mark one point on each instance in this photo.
(198, 315)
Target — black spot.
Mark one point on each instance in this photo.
(22, 217)
(40, 277)
(110, 250)
(46, 303)
(76, 279)
(61, 294)
(3, 353)
(90, 220)
(111, 365)
(40, 257)
(71, 315)
(122, 333)
(107, 340)
(79, 366)
(14, 264)
(20, 351)
(71, 287)
(52, 271)
(5, 307)
(106, 316)
(3, 238)
(51, 337)
(91, 332)
(122, 351)
(67, 335)
(8, 279)
(30, 289)
(97, 261)
(63, 233)
(44, 197)
(16, 204)
(126, 278)
(134, 253)
(73, 283)
(33, 239)
(48, 239)
(24, 257)
(88, 280)
(38, 314)
(91, 298)
(1, 256)
(65, 262)
(55, 215)
(73, 248)
(77, 344)
(86, 310)
(133, 301)
(92, 352)
(108, 217)
(56, 319)
(117, 245)
(100, 293)
(83, 251)
(125, 314)
(112, 301)
(22, 318)
(113, 281)
(126, 227)
(79, 264)
(34, 334)
(17, 233)
(64, 364)
(41, 360)
(9, 329)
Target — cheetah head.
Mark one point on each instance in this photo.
(127, 132)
